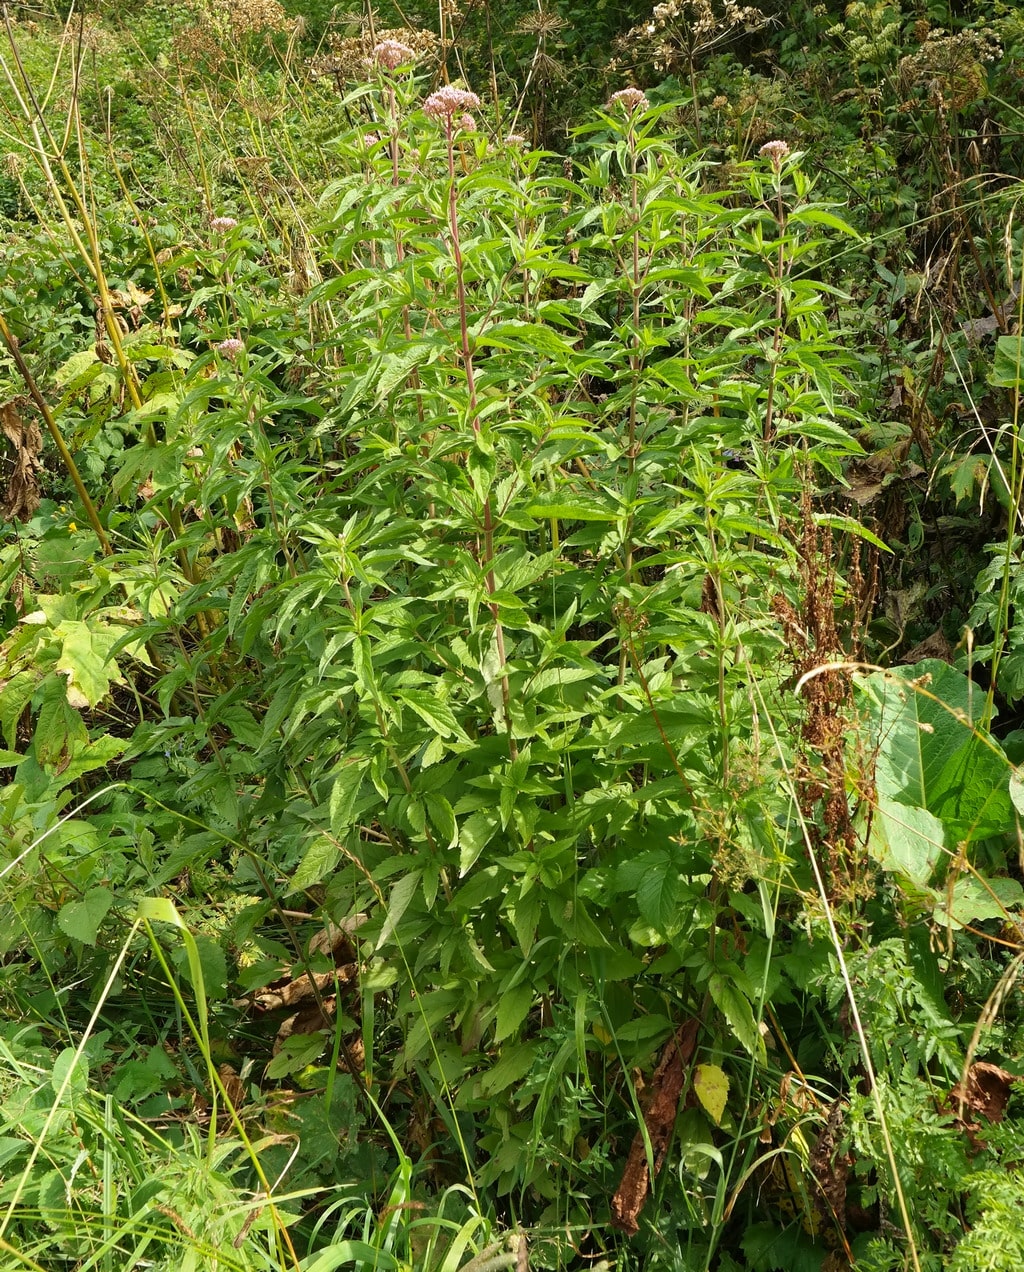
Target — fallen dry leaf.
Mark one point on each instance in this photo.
(985, 1090)
(21, 498)
(665, 1087)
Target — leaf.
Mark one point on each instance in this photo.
(84, 659)
(814, 214)
(971, 793)
(738, 1013)
(401, 895)
(398, 366)
(70, 1072)
(81, 919)
(297, 1051)
(677, 374)
(515, 1063)
(1006, 367)
(530, 336)
(351, 1254)
(348, 782)
(435, 712)
(593, 293)
(525, 916)
(657, 898)
(906, 839)
(206, 962)
(975, 900)
(1017, 791)
(322, 855)
(513, 1008)
(474, 835)
(565, 506)
(89, 756)
(711, 1087)
(850, 525)
(928, 753)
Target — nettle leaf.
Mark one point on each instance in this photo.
(658, 896)
(515, 1063)
(711, 1087)
(70, 1072)
(87, 757)
(207, 962)
(81, 920)
(738, 1013)
(297, 1052)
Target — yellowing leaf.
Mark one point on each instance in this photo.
(711, 1087)
(84, 660)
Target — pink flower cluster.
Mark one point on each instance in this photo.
(449, 101)
(630, 99)
(221, 224)
(776, 151)
(391, 54)
(231, 348)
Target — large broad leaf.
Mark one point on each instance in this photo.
(85, 660)
(1008, 365)
(907, 840)
(974, 899)
(930, 753)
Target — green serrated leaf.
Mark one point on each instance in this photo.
(513, 1008)
(320, 858)
(433, 710)
(474, 835)
(401, 896)
(348, 782)
(738, 1013)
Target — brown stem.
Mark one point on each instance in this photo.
(55, 433)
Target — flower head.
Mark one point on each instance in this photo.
(776, 151)
(630, 99)
(449, 101)
(466, 122)
(391, 54)
(221, 224)
(515, 139)
(230, 348)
